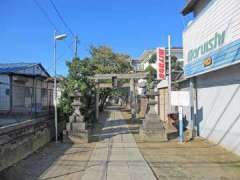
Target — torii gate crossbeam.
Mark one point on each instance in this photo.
(131, 76)
(140, 75)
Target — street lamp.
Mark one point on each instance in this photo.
(56, 37)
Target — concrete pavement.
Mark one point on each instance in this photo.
(116, 155)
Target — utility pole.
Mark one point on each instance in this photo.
(76, 41)
(55, 89)
(169, 74)
(55, 38)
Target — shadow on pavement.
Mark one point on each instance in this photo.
(36, 164)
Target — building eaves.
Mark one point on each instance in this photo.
(13, 68)
(189, 7)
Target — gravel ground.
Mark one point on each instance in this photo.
(195, 160)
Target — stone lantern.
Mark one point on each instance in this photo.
(152, 128)
(77, 127)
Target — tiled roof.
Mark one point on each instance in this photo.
(146, 54)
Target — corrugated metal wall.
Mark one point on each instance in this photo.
(4, 93)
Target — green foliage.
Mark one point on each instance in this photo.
(107, 61)
(77, 77)
(153, 58)
(152, 74)
(177, 67)
(102, 60)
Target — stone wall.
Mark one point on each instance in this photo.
(163, 104)
(20, 140)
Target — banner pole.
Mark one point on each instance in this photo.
(169, 74)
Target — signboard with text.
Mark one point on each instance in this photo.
(161, 74)
(180, 98)
(212, 41)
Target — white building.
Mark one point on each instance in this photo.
(145, 58)
(211, 45)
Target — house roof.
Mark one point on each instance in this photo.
(9, 68)
(146, 55)
(135, 61)
(189, 6)
(162, 84)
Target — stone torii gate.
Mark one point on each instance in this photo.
(132, 76)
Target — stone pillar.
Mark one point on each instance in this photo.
(153, 129)
(97, 100)
(132, 99)
(77, 127)
(97, 105)
(143, 106)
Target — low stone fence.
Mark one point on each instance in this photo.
(17, 141)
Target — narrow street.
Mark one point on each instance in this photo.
(120, 90)
(114, 156)
(117, 152)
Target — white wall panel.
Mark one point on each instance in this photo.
(219, 107)
(217, 16)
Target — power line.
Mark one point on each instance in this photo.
(50, 21)
(61, 17)
(46, 15)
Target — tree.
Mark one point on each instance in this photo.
(102, 60)
(152, 74)
(106, 62)
(177, 66)
(153, 58)
(78, 70)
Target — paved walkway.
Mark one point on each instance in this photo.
(116, 156)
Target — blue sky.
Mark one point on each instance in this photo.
(128, 26)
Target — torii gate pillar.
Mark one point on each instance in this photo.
(132, 99)
(97, 100)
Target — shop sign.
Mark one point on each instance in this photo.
(207, 62)
(207, 46)
(161, 74)
(180, 98)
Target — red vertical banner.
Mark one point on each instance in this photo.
(161, 74)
